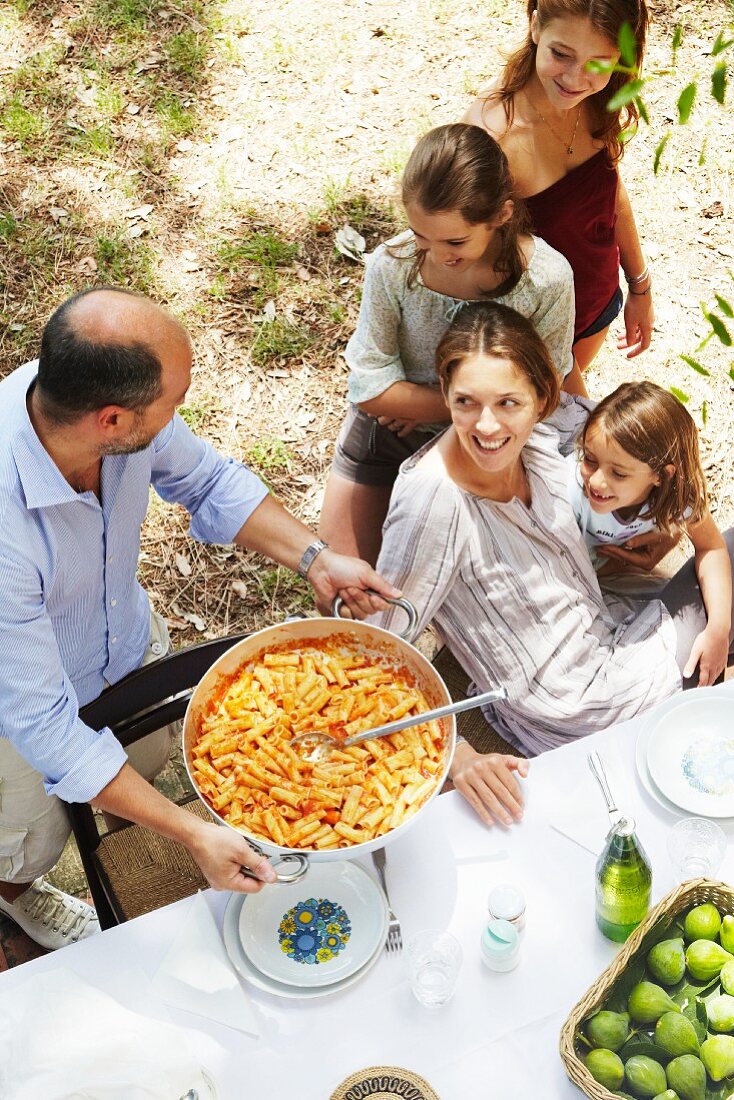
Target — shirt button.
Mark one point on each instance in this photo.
(113, 640)
(110, 559)
(113, 603)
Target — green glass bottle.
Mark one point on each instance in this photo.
(623, 882)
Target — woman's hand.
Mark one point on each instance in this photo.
(710, 651)
(398, 425)
(488, 783)
(222, 853)
(639, 319)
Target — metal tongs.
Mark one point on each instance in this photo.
(320, 743)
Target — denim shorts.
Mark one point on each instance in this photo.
(369, 454)
(606, 316)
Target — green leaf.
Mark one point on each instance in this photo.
(677, 36)
(692, 1013)
(696, 366)
(720, 44)
(724, 306)
(627, 44)
(682, 397)
(720, 329)
(660, 149)
(731, 373)
(642, 109)
(718, 83)
(704, 412)
(702, 154)
(685, 103)
(642, 1044)
(603, 67)
(626, 94)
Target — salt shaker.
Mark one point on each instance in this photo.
(505, 902)
(500, 945)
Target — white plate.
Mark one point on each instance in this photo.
(318, 930)
(243, 966)
(690, 753)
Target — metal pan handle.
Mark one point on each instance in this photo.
(300, 866)
(406, 605)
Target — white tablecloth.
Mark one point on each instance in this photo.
(498, 1038)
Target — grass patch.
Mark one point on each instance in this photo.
(8, 226)
(122, 262)
(269, 455)
(176, 120)
(266, 250)
(198, 413)
(286, 589)
(279, 339)
(22, 125)
(187, 52)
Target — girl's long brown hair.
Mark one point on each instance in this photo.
(606, 17)
(652, 426)
(495, 330)
(461, 168)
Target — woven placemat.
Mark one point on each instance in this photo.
(384, 1083)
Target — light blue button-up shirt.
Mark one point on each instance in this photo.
(72, 614)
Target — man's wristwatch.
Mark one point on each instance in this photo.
(309, 556)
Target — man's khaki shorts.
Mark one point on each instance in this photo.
(34, 826)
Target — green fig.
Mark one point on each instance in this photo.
(705, 959)
(721, 1013)
(726, 934)
(645, 1076)
(717, 1054)
(667, 1095)
(667, 961)
(687, 1076)
(647, 1002)
(702, 923)
(676, 1035)
(605, 1067)
(727, 978)
(608, 1029)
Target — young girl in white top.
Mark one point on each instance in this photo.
(638, 469)
(468, 240)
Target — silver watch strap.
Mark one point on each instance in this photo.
(309, 556)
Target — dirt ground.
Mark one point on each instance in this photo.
(206, 153)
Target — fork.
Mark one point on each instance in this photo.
(394, 940)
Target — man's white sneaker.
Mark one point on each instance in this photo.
(51, 917)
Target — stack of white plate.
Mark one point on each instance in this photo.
(309, 938)
(685, 753)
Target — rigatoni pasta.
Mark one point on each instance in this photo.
(248, 773)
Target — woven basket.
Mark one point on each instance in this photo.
(684, 897)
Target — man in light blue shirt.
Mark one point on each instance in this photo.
(84, 433)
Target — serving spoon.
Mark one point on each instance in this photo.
(321, 743)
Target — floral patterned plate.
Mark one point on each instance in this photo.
(690, 754)
(318, 930)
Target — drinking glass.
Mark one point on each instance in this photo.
(696, 846)
(433, 959)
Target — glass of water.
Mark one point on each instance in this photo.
(433, 959)
(696, 846)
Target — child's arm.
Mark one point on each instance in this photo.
(488, 784)
(408, 401)
(711, 648)
(639, 315)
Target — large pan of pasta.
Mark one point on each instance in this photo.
(323, 674)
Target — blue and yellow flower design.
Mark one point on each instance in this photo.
(314, 931)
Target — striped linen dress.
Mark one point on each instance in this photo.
(514, 594)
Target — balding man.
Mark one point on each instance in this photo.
(84, 432)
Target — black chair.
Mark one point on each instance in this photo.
(132, 870)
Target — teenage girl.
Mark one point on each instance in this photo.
(549, 113)
(467, 241)
(638, 470)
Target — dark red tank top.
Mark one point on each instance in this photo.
(577, 215)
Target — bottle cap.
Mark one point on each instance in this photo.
(505, 902)
(500, 945)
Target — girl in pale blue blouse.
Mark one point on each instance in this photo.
(468, 240)
(638, 469)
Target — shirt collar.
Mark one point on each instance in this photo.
(43, 483)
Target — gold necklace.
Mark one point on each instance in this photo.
(557, 136)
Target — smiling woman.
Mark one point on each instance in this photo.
(482, 539)
(549, 110)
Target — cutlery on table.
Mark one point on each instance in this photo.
(394, 940)
(597, 769)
